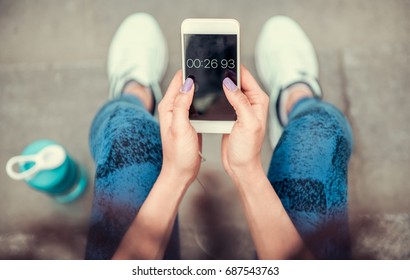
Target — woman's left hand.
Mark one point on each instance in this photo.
(180, 142)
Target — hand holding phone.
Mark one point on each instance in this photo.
(180, 142)
(210, 53)
(242, 147)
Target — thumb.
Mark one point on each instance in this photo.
(238, 100)
(181, 106)
(224, 152)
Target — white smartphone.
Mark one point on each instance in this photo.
(210, 53)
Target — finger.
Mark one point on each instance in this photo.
(167, 103)
(224, 147)
(256, 96)
(173, 88)
(238, 100)
(248, 82)
(251, 87)
(180, 111)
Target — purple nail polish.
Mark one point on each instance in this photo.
(186, 87)
(230, 85)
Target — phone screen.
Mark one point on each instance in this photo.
(209, 59)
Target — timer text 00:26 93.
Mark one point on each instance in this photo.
(210, 63)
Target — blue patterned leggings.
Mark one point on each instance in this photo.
(308, 171)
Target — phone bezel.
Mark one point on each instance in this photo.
(211, 26)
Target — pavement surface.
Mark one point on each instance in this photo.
(53, 81)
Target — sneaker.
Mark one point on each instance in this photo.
(138, 52)
(284, 56)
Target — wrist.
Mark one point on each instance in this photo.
(175, 178)
(247, 174)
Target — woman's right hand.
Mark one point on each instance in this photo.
(241, 149)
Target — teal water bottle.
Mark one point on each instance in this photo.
(47, 167)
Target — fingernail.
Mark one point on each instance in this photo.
(186, 87)
(230, 85)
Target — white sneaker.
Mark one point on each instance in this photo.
(284, 56)
(138, 52)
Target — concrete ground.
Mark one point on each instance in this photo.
(53, 80)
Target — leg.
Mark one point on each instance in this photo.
(309, 165)
(126, 146)
(124, 138)
(309, 173)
